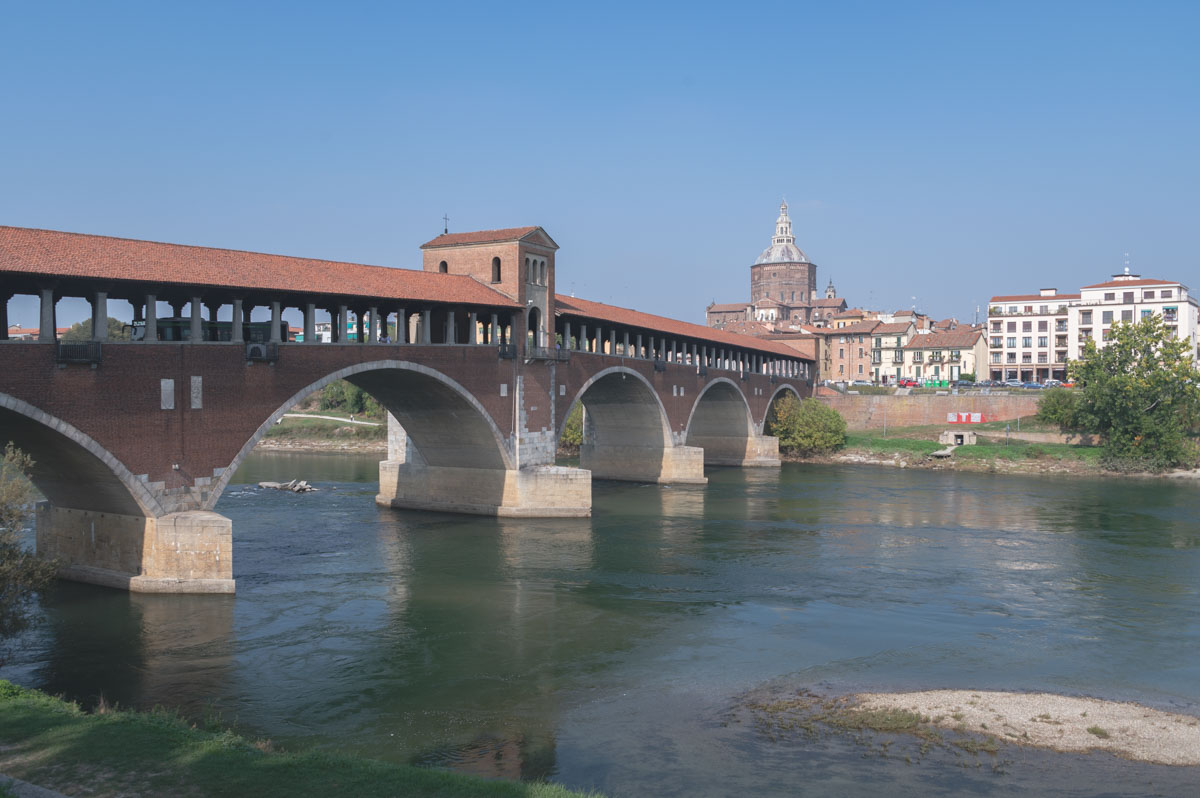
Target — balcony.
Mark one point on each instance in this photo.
(548, 353)
(997, 343)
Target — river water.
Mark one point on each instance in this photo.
(614, 652)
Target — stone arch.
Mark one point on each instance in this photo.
(627, 434)
(447, 425)
(782, 389)
(721, 423)
(70, 468)
(534, 328)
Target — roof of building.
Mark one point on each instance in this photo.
(828, 302)
(850, 313)
(782, 253)
(951, 339)
(728, 307)
(858, 328)
(743, 327)
(57, 254)
(480, 237)
(1134, 282)
(574, 306)
(893, 328)
(1032, 297)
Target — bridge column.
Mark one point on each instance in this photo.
(196, 329)
(238, 333)
(566, 344)
(46, 332)
(450, 328)
(402, 326)
(426, 324)
(494, 331)
(4, 297)
(310, 323)
(100, 316)
(276, 322)
(472, 328)
(373, 335)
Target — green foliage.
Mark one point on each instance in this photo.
(22, 573)
(572, 434)
(1059, 407)
(806, 427)
(82, 331)
(1141, 392)
(969, 376)
(343, 396)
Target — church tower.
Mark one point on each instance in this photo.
(830, 291)
(783, 274)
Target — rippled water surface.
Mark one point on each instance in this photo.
(610, 652)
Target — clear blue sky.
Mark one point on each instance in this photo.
(946, 151)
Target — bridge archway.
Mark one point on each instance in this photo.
(626, 432)
(70, 468)
(721, 423)
(447, 425)
(780, 392)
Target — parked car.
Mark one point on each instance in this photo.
(862, 382)
(1014, 384)
(987, 384)
(905, 382)
(1033, 385)
(964, 384)
(1052, 383)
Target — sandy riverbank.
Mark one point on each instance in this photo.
(1060, 723)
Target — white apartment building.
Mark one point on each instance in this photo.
(1031, 336)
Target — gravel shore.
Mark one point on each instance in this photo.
(1057, 722)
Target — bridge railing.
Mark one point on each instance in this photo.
(548, 353)
(77, 352)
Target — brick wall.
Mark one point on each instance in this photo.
(869, 412)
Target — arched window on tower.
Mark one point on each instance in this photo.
(528, 273)
(495, 270)
(443, 267)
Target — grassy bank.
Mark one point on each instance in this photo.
(54, 744)
(293, 429)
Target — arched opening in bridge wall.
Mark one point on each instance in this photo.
(534, 336)
(721, 424)
(626, 434)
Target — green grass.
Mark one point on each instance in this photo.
(995, 449)
(1099, 731)
(879, 445)
(324, 429)
(54, 744)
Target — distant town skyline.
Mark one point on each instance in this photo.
(932, 154)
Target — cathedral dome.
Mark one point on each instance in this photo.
(783, 247)
(782, 253)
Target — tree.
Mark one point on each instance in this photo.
(572, 434)
(82, 331)
(1059, 406)
(1141, 392)
(22, 573)
(806, 427)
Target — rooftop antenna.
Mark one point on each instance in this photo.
(446, 224)
(975, 323)
(1127, 263)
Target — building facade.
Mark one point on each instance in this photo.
(942, 356)
(887, 350)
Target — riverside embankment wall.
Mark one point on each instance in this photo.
(873, 412)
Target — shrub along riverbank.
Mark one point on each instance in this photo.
(55, 744)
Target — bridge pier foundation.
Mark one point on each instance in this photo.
(535, 492)
(188, 552)
(756, 451)
(676, 465)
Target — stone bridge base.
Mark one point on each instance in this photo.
(678, 465)
(756, 451)
(189, 552)
(536, 492)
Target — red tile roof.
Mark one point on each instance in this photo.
(479, 237)
(574, 306)
(1121, 283)
(56, 254)
(893, 328)
(728, 307)
(858, 328)
(951, 339)
(1033, 298)
(825, 302)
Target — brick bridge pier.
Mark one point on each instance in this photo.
(476, 359)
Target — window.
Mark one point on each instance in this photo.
(1110, 297)
(1026, 357)
(1104, 334)
(1027, 341)
(1026, 326)
(443, 267)
(997, 341)
(1012, 357)
(955, 354)
(1106, 317)
(1012, 342)
(1126, 315)
(1012, 308)
(793, 296)
(1042, 358)
(995, 357)
(1085, 317)
(1128, 300)
(1043, 340)
(1171, 314)
(918, 356)
(1147, 295)
(495, 270)
(1043, 326)
(841, 353)
(1012, 326)
(1146, 313)
(996, 326)
(860, 352)
(841, 369)
(860, 368)
(1044, 309)
(1029, 308)
(897, 341)
(1165, 293)
(878, 343)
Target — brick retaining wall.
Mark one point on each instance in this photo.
(870, 412)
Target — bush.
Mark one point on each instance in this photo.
(572, 434)
(22, 573)
(348, 398)
(806, 427)
(1059, 406)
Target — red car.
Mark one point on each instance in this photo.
(907, 383)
